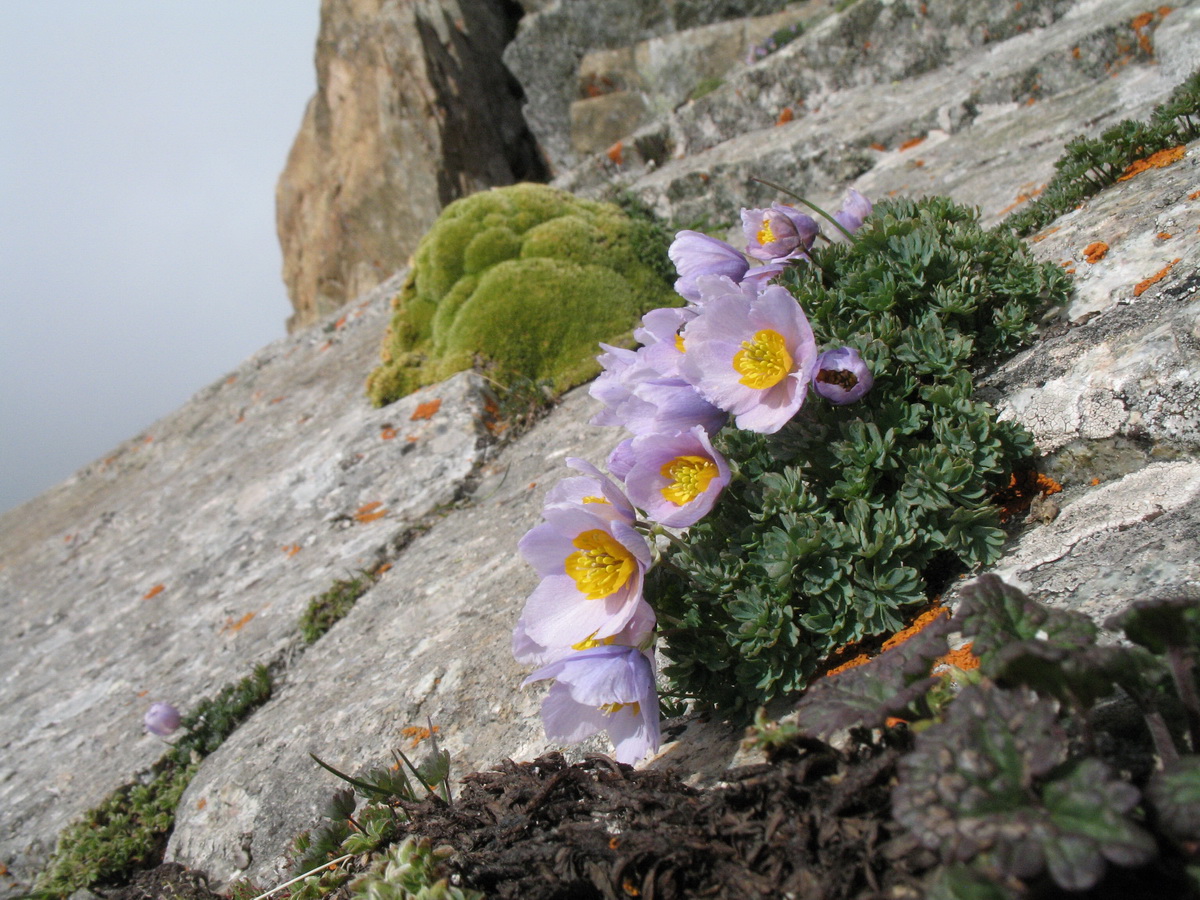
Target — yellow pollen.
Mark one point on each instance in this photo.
(764, 361)
(679, 341)
(765, 234)
(594, 500)
(689, 477)
(601, 566)
(611, 709)
(591, 641)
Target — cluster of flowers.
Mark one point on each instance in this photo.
(741, 347)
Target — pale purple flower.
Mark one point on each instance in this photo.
(643, 399)
(592, 565)
(841, 376)
(608, 688)
(593, 490)
(709, 287)
(638, 632)
(778, 233)
(696, 254)
(675, 478)
(855, 208)
(752, 358)
(760, 276)
(161, 719)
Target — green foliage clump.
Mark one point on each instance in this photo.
(328, 608)
(412, 871)
(128, 831)
(1088, 165)
(836, 525)
(1011, 781)
(521, 281)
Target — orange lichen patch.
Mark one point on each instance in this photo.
(1164, 235)
(920, 623)
(3, 869)
(382, 568)
(961, 658)
(339, 324)
(1094, 481)
(426, 410)
(853, 663)
(232, 627)
(918, 163)
(275, 400)
(143, 693)
(785, 116)
(1142, 286)
(154, 592)
(893, 721)
(325, 346)
(1038, 238)
(231, 379)
(1075, 53)
(201, 803)
(1194, 195)
(291, 550)
(616, 153)
(418, 734)
(1022, 197)
(1023, 486)
(1154, 161)
(875, 145)
(369, 512)
(412, 439)
(1031, 101)
(387, 433)
(912, 142)
(1095, 251)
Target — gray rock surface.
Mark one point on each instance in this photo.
(256, 495)
(174, 565)
(550, 43)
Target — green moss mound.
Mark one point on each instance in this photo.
(522, 282)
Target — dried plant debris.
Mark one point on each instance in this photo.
(813, 827)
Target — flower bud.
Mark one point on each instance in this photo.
(161, 719)
(841, 376)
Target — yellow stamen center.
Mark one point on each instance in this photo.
(594, 500)
(679, 341)
(591, 641)
(689, 477)
(611, 709)
(764, 361)
(765, 234)
(601, 566)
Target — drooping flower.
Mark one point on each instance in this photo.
(161, 719)
(638, 632)
(855, 208)
(841, 376)
(778, 233)
(643, 391)
(752, 358)
(594, 490)
(675, 478)
(608, 688)
(592, 566)
(696, 254)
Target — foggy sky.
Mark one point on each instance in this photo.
(140, 143)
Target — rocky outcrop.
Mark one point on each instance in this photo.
(170, 567)
(551, 42)
(413, 109)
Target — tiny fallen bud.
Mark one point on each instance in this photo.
(161, 719)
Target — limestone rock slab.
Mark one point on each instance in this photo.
(430, 639)
(171, 567)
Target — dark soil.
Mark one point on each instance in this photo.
(814, 826)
